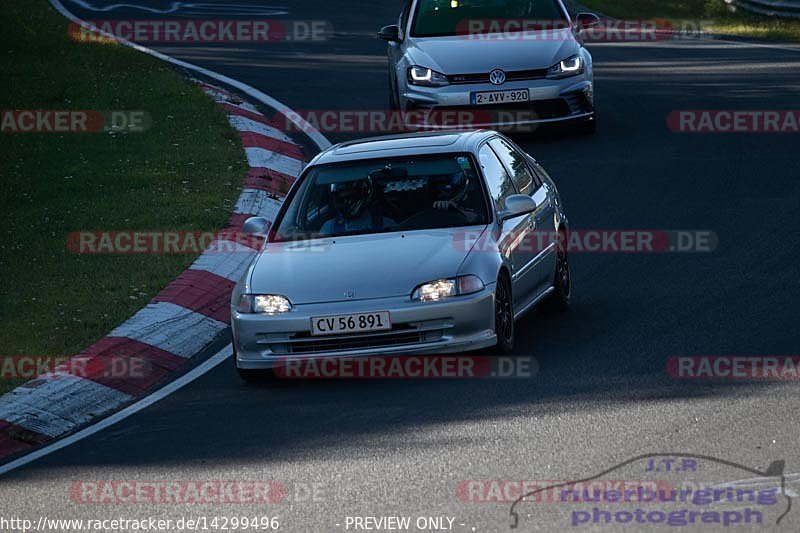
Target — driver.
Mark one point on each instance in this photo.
(450, 192)
(353, 202)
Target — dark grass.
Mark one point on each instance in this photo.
(183, 174)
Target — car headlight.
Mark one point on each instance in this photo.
(436, 290)
(268, 304)
(572, 66)
(426, 77)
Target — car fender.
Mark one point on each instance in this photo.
(484, 259)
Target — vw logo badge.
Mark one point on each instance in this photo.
(497, 77)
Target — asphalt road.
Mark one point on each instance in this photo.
(601, 396)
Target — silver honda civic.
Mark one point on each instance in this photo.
(509, 63)
(410, 244)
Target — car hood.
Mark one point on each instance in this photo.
(369, 266)
(462, 55)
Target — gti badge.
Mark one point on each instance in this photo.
(497, 77)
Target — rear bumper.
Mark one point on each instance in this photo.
(457, 325)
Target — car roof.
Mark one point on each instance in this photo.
(406, 144)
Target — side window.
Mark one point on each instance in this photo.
(515, 162)
(497, 179)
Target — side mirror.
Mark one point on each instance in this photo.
(390, 33)
(586, 20)
(256, 226)
(517, 205)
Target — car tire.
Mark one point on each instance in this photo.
(503, 316)
(561, 297)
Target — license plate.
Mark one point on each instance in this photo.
(357, 323)
(500, 97)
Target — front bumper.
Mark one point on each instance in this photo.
(551, 101)
(459, 324)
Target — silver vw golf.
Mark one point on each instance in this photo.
(509, 63)
(409, 244)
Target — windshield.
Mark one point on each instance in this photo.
(439, 18)
(378, 196)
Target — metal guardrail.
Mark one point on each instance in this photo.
(772, 8)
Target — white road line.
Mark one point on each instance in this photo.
(786, 48)
(197, 8)
(132, 409)
(688, 44)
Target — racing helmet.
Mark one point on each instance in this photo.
(351, 197)
(451, 187)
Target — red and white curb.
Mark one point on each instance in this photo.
(182, 320)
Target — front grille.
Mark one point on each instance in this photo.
(459, 79)
(483, 77)
(399, 335)
(331, 344)
(522, 75)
